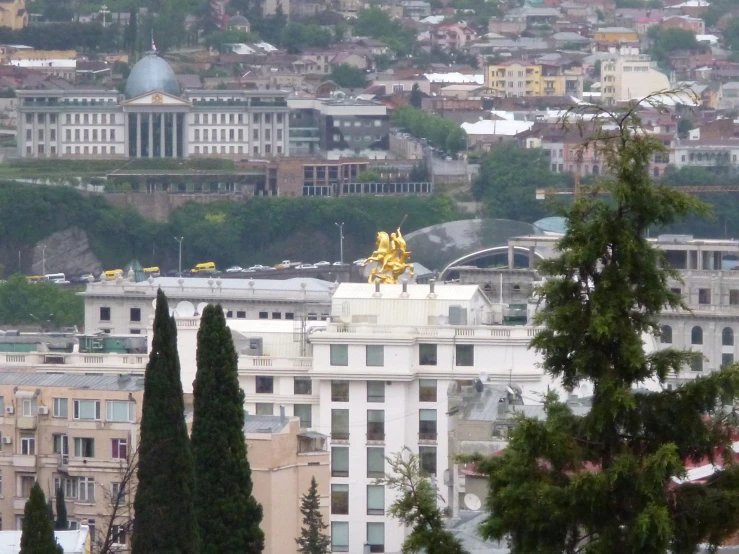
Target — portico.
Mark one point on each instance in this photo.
(156, 126)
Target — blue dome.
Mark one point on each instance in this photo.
(151, 73)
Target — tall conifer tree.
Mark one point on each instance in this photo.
(313, 539)
(165, 515)
(37, 536)
(228, 514)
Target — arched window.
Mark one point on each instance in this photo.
(696, 335)
(666, 335)
(727, 336)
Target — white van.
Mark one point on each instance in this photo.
(56, 277)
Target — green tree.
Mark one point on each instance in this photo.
(416, 96)
(312, 538)
(731, 34)
(603, 482)
(416, 507)
(508, 179)
(368, 176)
(61, 523)
(228, 515)
(37, 536)
(165, 520)
(348, 76)
(43, 304)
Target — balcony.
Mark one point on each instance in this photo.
(24, 461)
(27, 423)
(19, 503)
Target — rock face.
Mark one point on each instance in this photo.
(66, 252)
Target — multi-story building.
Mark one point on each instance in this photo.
(523, 78)
(624, 78)
(452, 36)
(153, 119)
(615, 35)
(77, 432)
(719, 155)
(126, 307)
(13, 14)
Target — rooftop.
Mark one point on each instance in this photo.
(72, 542)
(264, 423)
(351, 291)
(123, 382)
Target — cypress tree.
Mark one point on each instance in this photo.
(38, 530)
(228, 515)
(61, 511)
(165, 516)
(612, 480)
(312, 538)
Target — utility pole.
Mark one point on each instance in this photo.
(43, 258)
(341, 241)
(179, 266)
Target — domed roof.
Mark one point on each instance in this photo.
(238, 21)
(151, 73)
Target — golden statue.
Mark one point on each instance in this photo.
(391, 258)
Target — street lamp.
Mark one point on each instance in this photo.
(341, 241)
(103, 11)
(179, 266)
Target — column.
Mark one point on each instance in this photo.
(162, 135)
(126, 135)
(184, 144)
(174, 134)
(151, 135)
(510, 256)
(138, 135)
(532, 256)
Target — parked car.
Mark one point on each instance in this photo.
(258, 267)
(322, 264)
(234, 269)
(337, 264)
(360, 261)
(307, 266)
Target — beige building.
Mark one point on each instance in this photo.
(624, 78)
(283, 460)
(77, 432)
(13, 14)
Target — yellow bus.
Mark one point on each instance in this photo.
(205, 267)
(35, 278)
(153, 271)
(111, 274)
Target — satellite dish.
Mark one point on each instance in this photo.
(185, 309)
(154, 303)
(201, 307)
(483, 376)
(472, 502)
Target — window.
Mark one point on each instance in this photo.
(119, 449)
(302, 385)
(339, 536)
(28, 406)
(339, 461)
(665, 336)
(376, 536)
(375, 500)
(339, 391)
(427, 425)
(84, 447)
(696, 335)
(427, 455)
(120, 410)
(376, 425)
(118, 534)
(427, 390)
(340, 425)
(61, 444)
(265, 408)
(104, 314)
(426, 354)
(305, 413)
(86, 489)
(28, 444)
(27, 482)
(727, 359)
(375, 391)
(276, 315)
(696, 362)
(68, 485)
(2, 406)
(263, 315)
(87, 409)
(135, 314)
(734, 297)
(339, 354)
(265, 385)
(727, 336)
(340, 499)
(375, 462)
(465, 355)
(118, 493)
(375, 355)
(704, 296)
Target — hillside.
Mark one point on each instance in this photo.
(262, 230)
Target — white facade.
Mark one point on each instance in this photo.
(624, 78)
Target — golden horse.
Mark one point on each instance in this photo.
(391, 255)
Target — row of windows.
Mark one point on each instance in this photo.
(353, 122)
(239, 150)
(376, 390)
(464, 355)
(116, 410)
(134, 314)
(696, 335)
(233, 134)
(427, 429)
(376, 461)
(84, 447)
(86, 150)
(85, 119)
(85, 135)
(340, 536)
(41, 118)
(212, 119)
(340, 499)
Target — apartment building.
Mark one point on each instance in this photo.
(520, 78)
(126, 307)
(629, 77)
(717, 155)
(77, 432)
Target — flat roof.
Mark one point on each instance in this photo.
(357, 291)
(123, 382)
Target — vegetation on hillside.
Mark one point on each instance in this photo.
(258, 230)
(43, 304)
(438, 131)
